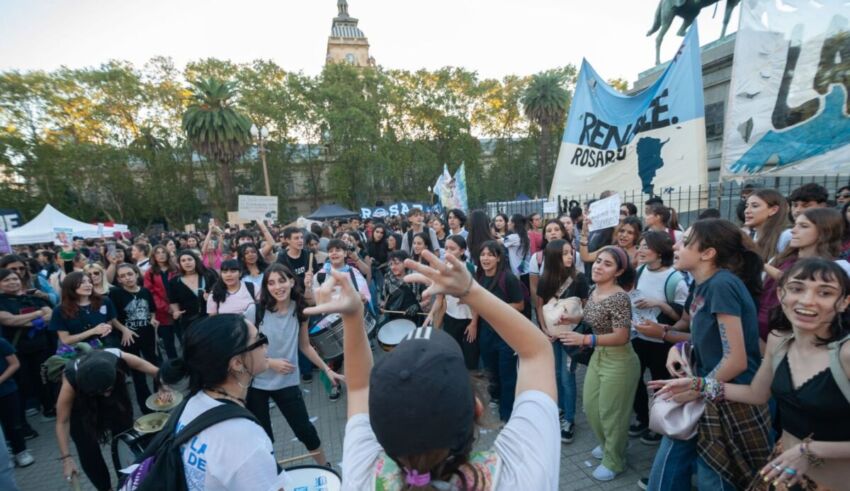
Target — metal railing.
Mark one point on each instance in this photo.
(526, 207)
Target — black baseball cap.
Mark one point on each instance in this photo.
(421, 397)
(96, 372)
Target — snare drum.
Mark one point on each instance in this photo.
(393, 332)
(326, 337)
(127, 447)
(312, 478)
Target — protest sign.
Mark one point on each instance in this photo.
(550, 207)
(604, 213)
(258, 207)
(9, 219)
(62, 236)
(393, 210)
(650, 141)
(189, 228)
(5, 248)
(234, 218)
(789, 94)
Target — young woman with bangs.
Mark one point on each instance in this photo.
(805, 369)
(189, 290)
(252, 264)
(626, 237)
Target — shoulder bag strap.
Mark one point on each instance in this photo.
(837, 369)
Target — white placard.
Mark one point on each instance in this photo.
(550, 207)
(258, 207)
(604, 213)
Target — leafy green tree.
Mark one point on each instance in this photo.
(545, 104)
(217, 130)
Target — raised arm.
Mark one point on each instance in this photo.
(267, 249)
(536, 359)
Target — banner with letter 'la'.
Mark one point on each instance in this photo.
(642, 143)
(789, 98)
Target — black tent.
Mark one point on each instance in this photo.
(326, 212)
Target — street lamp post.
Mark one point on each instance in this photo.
(260, 134)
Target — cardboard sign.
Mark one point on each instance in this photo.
(62, 236)
(189, 228)
(550, 207)
(258, 207)
(233, 218)
(605, 213)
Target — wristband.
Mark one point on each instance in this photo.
(64, 457)
(468, 288)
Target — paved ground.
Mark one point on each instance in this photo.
(576, 462)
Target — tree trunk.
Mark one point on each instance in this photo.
(226, 179)
(543, 159)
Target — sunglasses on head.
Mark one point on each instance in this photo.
(261, 340)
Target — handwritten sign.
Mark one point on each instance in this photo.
(62, 236)
(605, 213)
(550, 207)
(258, 207)
(234, 218)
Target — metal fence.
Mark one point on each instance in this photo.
(510, 208)
(690, 201)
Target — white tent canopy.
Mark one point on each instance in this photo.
(41, 229)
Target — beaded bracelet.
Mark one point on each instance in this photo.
(813, 459)
(713, 389)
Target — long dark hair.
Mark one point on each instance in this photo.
(479, 232)
(732, 251)
(100, 413)
(846, 236)
(219, 289)
(814, 268)
(69, 305)
(377, 250)
(208, 275)
(461, 242)
(566, 235)
(555, 273)
(634, 223)
(208, 346)
(498, 250)
(830, 226)
(426, 239)
(520, 222)
(155, 267)
(296, 293)
(774, 225)
(240, 256)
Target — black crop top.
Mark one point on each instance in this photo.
(817, 408)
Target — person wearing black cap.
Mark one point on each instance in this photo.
(411, 418)
(93, 405)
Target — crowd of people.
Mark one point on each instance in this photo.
(721, 343)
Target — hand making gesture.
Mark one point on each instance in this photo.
(450, 277)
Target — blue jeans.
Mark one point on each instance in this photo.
(7, 473)
(565, 378)
(501, 362)
(676, 461)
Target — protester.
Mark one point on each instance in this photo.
(388, 448)
(231, 295)
(493, 273)
(724, 330)
(500, 226)
(439, 227)
(561, 280)
(140, 254)
(479, 232)
(98, 278)
(279, 316)
(810, 195)
(156, 280)
(135, 310)
(535, 232)
(611, 379)
(658, 218)
(553, 230)
(10, 404)
(251, 264)
(845, 239)
(212, 250)
(842, 196)
(296, 258)
(416, 217)
(626, 236)
(189, 290)
(765, 218)
(31, 282)
(627, 210)
(659, 296)
(805, 369)
(518, 245)
(93, 406)
(420, 245)
(457, 220)
(397, 295)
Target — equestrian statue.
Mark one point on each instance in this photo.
(688, 10)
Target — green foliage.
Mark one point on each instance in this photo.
(158, 144)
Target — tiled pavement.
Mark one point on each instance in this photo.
(576, 462)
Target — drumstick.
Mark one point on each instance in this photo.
(300, 457)
(310, 263)
(401, 312)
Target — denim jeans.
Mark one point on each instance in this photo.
(676, 461)
(565, 378)
(501, 363)
(7, 472)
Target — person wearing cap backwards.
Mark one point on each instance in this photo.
(411, 419)
(94, 405)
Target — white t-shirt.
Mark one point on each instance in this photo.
(235, 303)
(529, 448)
(233, 455)
(651, 285)
(519, 262)
(784, 240)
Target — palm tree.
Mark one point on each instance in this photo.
(545, 104)
(217, 130)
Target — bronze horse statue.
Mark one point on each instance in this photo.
(688, 10)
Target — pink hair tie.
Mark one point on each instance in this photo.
(414, 478)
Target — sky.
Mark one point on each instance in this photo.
(494, 38)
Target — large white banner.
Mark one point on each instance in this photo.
(649, 142)
(788, 99)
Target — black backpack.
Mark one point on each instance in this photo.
(160, 467)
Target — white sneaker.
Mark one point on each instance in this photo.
(603, 473)
(24, 459)
(597, 452)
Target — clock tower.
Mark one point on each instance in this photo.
(347, 43)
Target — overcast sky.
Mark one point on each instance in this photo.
(494, 38)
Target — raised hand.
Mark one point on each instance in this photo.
(450, 277)
(347, 303)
